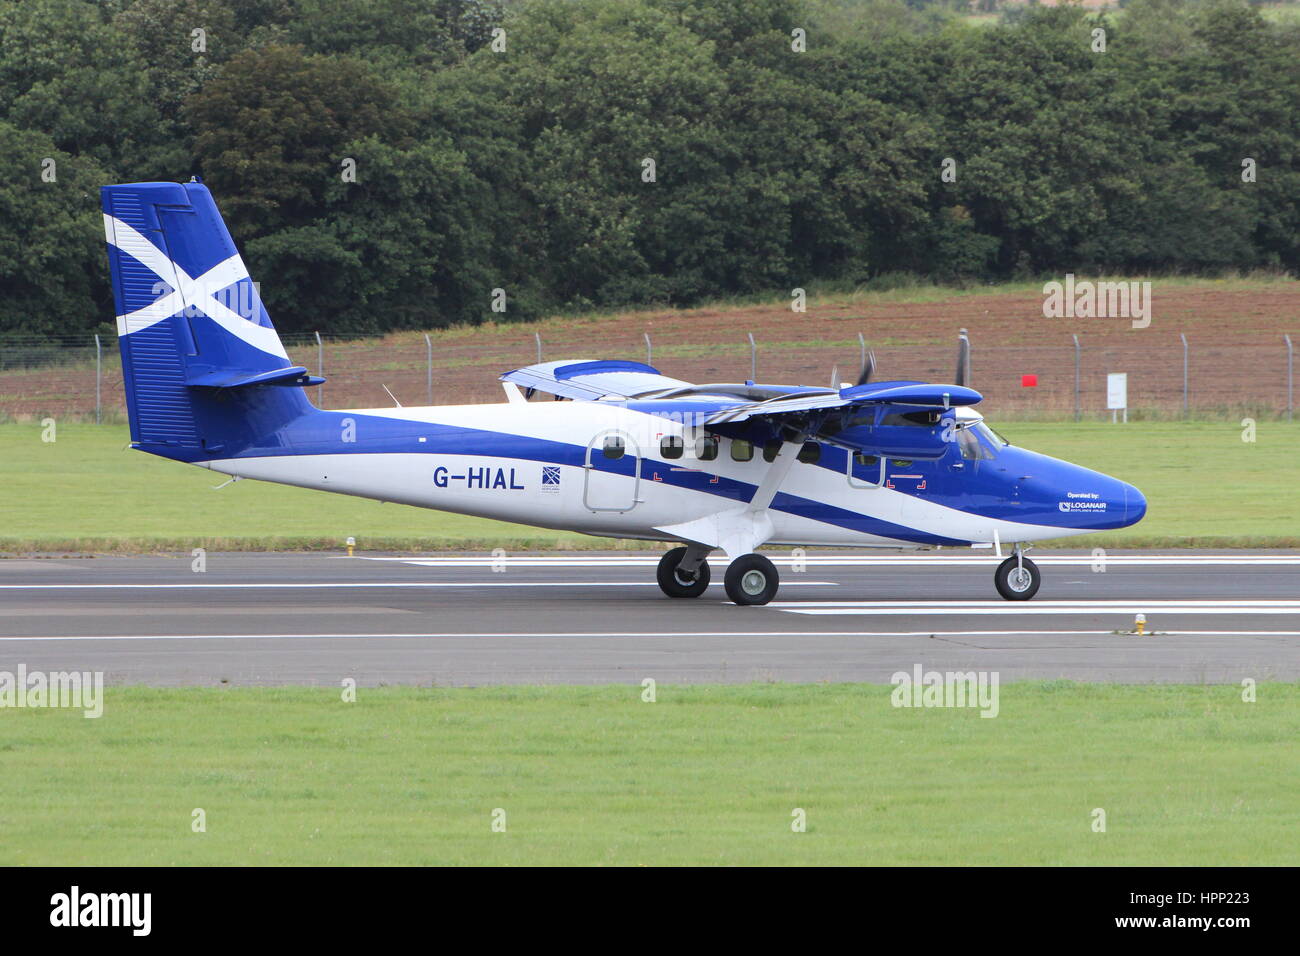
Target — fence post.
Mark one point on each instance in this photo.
(753, 358)
(99, 379)
(1290, 379)
(428, 358)
(649, 352)
(320, 370)
(538, 336)
(1184, 338)
(1078, 410)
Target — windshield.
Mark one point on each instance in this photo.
(989, 435)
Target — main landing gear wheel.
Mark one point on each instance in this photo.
(1017, 581)
(752, 579)
(679, 584)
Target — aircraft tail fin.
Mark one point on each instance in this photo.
(203, 366)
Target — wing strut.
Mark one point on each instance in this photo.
(741, 530)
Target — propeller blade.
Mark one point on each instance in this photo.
(835, 376)
(963, 360)
(868, 369)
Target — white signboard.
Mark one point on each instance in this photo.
(1117, 390)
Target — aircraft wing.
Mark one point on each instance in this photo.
(592, 380)
(908, 396)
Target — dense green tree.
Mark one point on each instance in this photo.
(270, 131)
(52, 265)
(775, 164)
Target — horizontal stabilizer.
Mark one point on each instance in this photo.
(228, 378)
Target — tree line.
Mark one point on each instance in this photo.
(388, 164)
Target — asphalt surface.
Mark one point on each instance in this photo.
(587, 618)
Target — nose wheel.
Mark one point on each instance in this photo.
(752, 579)
(1017, 578)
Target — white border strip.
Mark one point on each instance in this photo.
(633, 634)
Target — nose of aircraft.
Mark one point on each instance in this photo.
(1135, 505)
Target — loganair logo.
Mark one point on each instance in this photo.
(1082, 501)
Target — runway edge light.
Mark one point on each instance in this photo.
(351, 543)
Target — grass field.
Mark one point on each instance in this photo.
(84, 492)
(708, 774)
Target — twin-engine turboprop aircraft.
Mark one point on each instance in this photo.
(629, 453)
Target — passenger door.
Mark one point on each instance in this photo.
(611, 472)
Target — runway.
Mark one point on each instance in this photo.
(597, 618)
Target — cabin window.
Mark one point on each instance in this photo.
(865, 471)
(901, 462)
(672, 446)
(741, 450)
(771, 450)
(810, 453)
(706, 447)
(614, 447)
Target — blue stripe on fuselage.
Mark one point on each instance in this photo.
(1018, 485)
(319, 433)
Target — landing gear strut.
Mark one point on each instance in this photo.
(1017, 578)
(678, 582)
(752, 579)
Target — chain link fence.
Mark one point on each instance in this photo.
(1170, 375)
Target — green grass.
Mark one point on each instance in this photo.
(707, 775)
(87, 492)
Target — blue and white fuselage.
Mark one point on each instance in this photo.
(628, 452)
(544, 464)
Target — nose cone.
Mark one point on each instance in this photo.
(1135, 505)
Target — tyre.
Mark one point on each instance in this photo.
(752, 579)
(677, 584)
(1017, 583)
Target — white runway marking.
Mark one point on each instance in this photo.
(634, 634)
(976, 608)
(365, 584)
(1105, 604)
(853, 560)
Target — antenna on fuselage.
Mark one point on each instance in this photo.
(392, 396)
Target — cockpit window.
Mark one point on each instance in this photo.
(989, 435)
(977, 441)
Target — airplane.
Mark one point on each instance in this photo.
(622, 450)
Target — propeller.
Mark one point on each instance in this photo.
(835, 376)
(868, 369)
(963, 360)
(963, 364)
